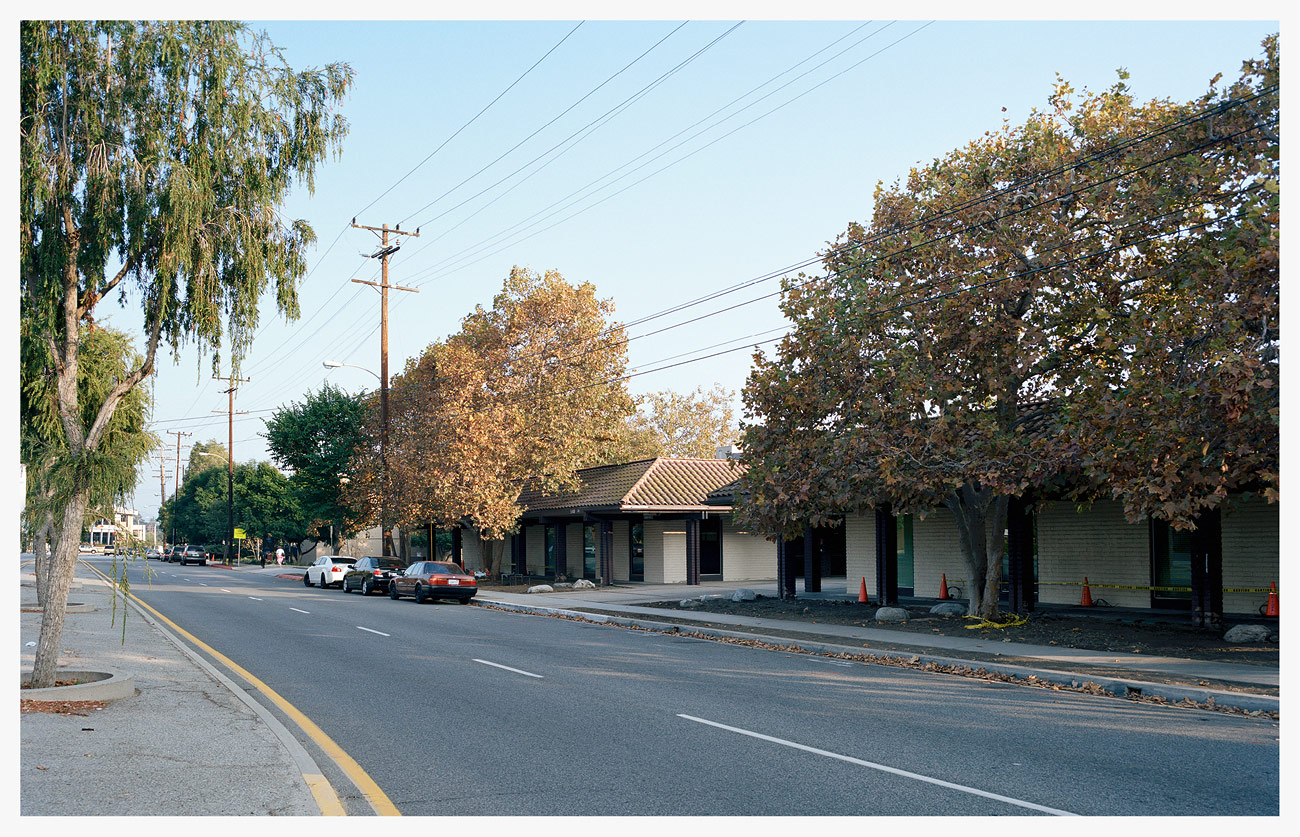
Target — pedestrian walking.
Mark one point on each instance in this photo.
(263, 559)
(279, 556)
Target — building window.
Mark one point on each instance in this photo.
(636, 542)
(1171, 566)
(589, 550)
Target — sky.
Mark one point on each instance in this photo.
(660, 160)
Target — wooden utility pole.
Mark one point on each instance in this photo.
(233, 384)
(176, 483)
(385, 250)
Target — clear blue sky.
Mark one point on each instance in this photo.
(800, 165)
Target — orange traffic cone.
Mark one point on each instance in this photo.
(1271, 608)
(1086, 601)
(943, 587)
(862, 593)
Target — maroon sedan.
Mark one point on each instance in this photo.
(433, 580)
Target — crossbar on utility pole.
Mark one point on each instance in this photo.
(385, 250)
(233, 384)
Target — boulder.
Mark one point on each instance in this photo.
(1249, 633)
(563, 585)
(891, 614)
(689, 603)
(712, 597)
(949, 609)
(744, 595)
(541, 588)
(583, 584)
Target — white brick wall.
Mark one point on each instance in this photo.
(936, 552)
(1097, 543)
(573, 540)
(860, 553)
(1251, 551)
(665, 551)
(746, 557)
(535, 540)
(471, 549)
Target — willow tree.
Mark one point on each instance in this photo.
(529, 389)
(153, 157)
(106, 355)
(1080, 305)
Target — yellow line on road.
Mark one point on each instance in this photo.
(378, 800)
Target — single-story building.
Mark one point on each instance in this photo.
(649, 520)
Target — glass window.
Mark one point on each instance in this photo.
(636, 541)
(589, 551)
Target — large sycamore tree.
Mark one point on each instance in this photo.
(668, 423)
(153, 157)
(1085, 305)
(529, 389)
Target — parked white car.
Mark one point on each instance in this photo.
(328, 570)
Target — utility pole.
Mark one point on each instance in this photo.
(233, 384)
(176, 484)
(385, 250)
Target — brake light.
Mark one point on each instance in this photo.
(377, 572)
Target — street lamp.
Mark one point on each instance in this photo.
(334, 364)
(383, 438)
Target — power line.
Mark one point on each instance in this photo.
(470, 122)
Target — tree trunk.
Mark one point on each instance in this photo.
(42, 563)
(63, 564)
(492, 552)
(981, 519)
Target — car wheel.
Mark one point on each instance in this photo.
(463, 601)
(306, 579)
(392, 591)
(367, 587)
(419, 595)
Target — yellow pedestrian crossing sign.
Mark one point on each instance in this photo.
(239, 534)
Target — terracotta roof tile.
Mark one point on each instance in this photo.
(648, 484)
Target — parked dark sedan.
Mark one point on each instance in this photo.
(433, 580)
(371, 574)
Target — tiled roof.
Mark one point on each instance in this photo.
(661, 484)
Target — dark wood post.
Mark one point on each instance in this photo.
(812, 562)
(1020, 552)
(606, 552)
(521, 549)
(561, 550)
(1207, 570)
(886, 556)
(692, 551)
(784, 576)
(456, 546)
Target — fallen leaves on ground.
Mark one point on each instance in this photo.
(62, 707)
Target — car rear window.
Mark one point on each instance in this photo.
(339, 559)
(445, 569)
(388, 563)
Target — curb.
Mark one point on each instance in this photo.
(1117, 687)
(107, 684)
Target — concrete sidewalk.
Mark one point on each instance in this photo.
(185, 743)
(1173, 678)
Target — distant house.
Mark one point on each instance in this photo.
(649, 520)
(124, 526)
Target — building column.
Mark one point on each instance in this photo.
(456, 546)
(1020, 553)
(692, 551)
(886, 556)
(812, 562)
(606, 552)
(1207, 570)
(521, 550)
(784, 574)
(561, 550)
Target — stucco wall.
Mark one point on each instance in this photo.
(535, 542)
(622, 551)
(860, 553)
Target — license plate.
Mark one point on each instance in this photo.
(453, 581)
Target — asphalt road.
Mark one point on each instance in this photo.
(461, 710)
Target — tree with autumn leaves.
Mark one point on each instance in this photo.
(529, 389)
(1082, 306)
